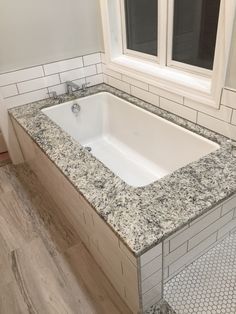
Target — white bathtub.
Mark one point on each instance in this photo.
(135, 144)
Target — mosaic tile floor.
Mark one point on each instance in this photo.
(208, 286)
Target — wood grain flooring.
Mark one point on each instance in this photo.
(44, 267)
(4, 159)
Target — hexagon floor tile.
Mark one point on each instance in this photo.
(208, 286)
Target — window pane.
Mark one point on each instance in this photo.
(195, 30)
(141, 25)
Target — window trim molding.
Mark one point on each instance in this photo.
(130, 52)
(172, 79)
(177, 64)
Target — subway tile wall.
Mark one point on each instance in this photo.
(35, 83)
(183, 247)
(151, 277)
(222, 120)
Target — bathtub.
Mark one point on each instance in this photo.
(138, 146)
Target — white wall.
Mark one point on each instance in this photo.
(37, 32)
(231, 75)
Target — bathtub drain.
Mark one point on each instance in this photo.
(89, 149)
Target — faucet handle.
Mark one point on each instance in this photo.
(84, 85)
(52, 94)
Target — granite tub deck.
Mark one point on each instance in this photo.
(141, 217)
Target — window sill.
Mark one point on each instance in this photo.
(182, 83)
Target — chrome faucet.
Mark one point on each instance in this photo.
(71, 86)
(84, 87)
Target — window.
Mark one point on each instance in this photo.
(190, 38)
(141, 26)
(194, 32)
(181, 46)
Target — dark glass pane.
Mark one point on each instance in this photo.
(141, 25)
(195, 30)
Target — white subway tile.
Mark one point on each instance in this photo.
(234, 117)
(165, 94)
(21, 75)
(229, 205)
(125, 87)
(148, 269)
(177, 232)
(99, 68)
(191, 255)
(8, 91)
(166, 247)
(154, 301)
(173, 274)
(212, 228)
(227, 228)
(154, 295)
(216, 125)
(80, 82)
(92, 59)
(134, 82)
(59, 89)
(176, 254)
(105, 78)
(223, 113)
(111, 73)
(178, 109)
(95, 79)
(152, 281)
(203, 216)
(103, 57)
(144, 95)
(25, 98)
(151, 254)
(62, 66)
(194, 229)
(90, 70)
(78, 73)
(234, 229)
(39, 83)
(229, 98)
(166, 273)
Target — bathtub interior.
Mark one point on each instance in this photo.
(135, 144)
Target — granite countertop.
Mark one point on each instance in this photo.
(144, 216)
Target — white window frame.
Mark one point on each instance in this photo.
(130, 52)
(195, 83)
(176, 64)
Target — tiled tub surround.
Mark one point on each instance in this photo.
(222, 120)
(141, 217)
(32, 84)
(27, 85)
(182, 248)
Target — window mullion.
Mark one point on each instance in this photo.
(170, 22)
(162, 31)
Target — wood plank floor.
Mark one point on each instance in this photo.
(44, 267)
(4, 159)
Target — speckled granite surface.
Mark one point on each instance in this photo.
(142, 217)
